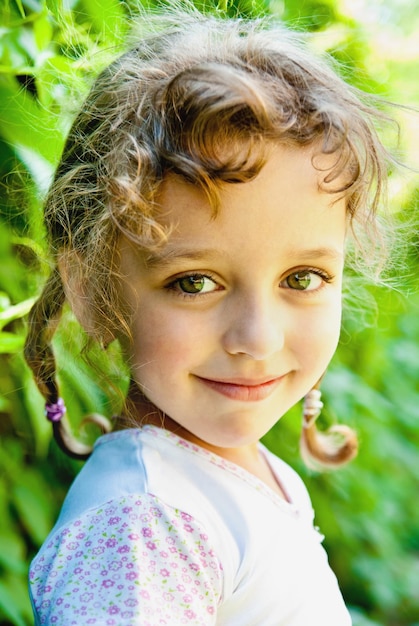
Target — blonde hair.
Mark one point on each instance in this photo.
(200, 98)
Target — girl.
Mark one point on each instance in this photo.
(199, 216)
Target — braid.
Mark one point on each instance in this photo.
(333, 448)
(43, 320)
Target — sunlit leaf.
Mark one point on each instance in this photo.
(20, 7)
(15, 312)
(9, 342)
(24, 123)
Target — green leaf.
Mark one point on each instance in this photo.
(20, 7)
(5, 404)
(23, 122)
(10, 343)
(34, 509)
(12, 551)
(4, 301)
(108, 18)
(43, 31)
(14, 601)
(15, 312)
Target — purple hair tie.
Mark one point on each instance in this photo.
(55, 410)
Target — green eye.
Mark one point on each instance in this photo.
(196, 283)
(304, 281)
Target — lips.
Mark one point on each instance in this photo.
(243, 390)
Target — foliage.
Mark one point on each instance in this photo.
(49, 49)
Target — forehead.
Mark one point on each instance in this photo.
(286, 205)
(298, 171)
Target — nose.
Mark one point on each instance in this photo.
(256, 328)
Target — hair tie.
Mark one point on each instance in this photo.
(54, 411)
(312, 407)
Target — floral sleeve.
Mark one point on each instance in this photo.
(134, 561)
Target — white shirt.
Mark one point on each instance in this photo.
(158, 531)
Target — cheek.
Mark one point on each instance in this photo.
(164, 342)
(317, 334)
(327, 331)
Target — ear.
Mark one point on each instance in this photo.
(78, 293)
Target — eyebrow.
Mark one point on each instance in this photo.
(167, 257)
(320, 253)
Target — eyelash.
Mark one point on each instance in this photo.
(174, 285)
(325, 276)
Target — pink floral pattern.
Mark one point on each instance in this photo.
(132, 561)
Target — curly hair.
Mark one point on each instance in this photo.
(202, 98)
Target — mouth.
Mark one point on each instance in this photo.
(243, 390)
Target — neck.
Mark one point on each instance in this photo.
(140, 411)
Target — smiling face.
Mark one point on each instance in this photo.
(238, 315)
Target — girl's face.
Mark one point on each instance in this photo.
(237, 316)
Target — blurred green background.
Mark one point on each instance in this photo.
(49, 50)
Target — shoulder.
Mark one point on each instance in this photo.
(120, 526)
(152, 465)
(132, 548)
(133, 461)
(150, 460)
